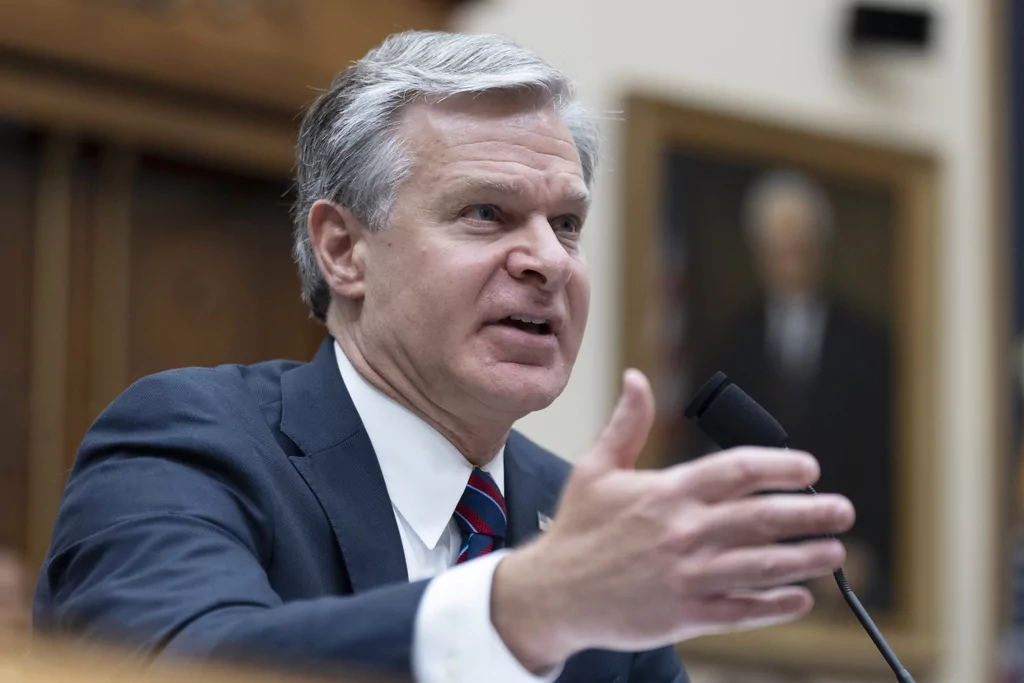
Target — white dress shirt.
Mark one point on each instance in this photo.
(796, 332)
(454, 639)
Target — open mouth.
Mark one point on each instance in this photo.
(532, 325)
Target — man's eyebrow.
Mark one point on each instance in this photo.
(467, 188)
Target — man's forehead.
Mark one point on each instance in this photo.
(464, 126)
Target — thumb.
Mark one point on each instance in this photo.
(624, 436)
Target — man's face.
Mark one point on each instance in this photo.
(788, 248)
(478, 290)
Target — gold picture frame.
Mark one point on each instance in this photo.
(656, 129)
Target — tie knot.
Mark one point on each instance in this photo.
(481, 516)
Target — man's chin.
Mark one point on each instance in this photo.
(524, 389)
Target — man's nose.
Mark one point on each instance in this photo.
(540, 256)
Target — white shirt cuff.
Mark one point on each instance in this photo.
(454, 639)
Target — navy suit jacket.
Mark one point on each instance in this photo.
(239, 512)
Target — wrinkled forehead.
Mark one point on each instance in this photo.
(497, 128)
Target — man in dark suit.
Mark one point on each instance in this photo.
(820, 366)
(373, 506)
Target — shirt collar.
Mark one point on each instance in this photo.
(424, 473)
(796, 302)
(807, 310)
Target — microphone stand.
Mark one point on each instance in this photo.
(902, 675)
(730, 417)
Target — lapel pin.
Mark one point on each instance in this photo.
(543, 521)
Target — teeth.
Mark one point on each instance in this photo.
(527, 319)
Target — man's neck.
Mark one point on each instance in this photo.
(479, 440)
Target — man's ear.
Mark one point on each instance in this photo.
(338, 240)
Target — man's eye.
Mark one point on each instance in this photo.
(568, 224)
(486, 213)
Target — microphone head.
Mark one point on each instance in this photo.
(731, 418)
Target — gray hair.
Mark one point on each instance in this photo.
(777, 183)
(348, 149)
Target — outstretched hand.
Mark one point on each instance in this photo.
(640, 559)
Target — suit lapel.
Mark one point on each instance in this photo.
(528, 494)
(340, 467)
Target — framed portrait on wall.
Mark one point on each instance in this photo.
(802, 266)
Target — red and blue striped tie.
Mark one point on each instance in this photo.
(481, 517)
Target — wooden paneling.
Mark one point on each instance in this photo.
(115, 265)
(111, 268)
(211, 279)
(115, 261)
(51, 337)
(217, 81)
(268, 52)
(53, 98)
(18, 174)
(78, 411)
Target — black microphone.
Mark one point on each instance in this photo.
(731, 418)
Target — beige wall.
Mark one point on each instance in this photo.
(783, 60)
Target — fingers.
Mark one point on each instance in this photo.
(758, 609)
(626, 432)
(762, 520)
(768, 566)
(740, 472)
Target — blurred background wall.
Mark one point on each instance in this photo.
(145, 161)
(786, 61)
